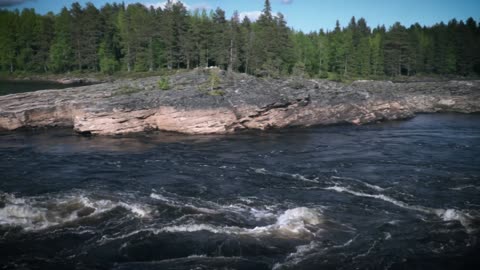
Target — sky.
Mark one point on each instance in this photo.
(308, 15)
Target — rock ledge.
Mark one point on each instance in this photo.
(238, 102)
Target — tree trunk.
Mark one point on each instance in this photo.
(206, 62)
(230, 62)
(129, 67)
(79, 56)
(151, 55)
(399, 65)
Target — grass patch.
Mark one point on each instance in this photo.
(127, 90)
(212, 86)
(296, 83)
(216, 93)
(164, 83)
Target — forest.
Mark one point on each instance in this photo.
(135, 38)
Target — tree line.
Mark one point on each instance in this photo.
(119, 37)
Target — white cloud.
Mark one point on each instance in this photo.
(163, 4)
(200, 6)
(252, 15)
(287, 2)
(7, 3)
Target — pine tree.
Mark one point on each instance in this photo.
(109, 48)
(236, 42)
(124, 25)
(396, 48)
(77, 33)
(376, 51)
(139, 38)
(220, 49)
(283, 45)
(91, 33)
(8, 24)
(175, 30)
(335, 53)
(362, 52)
(264, 54)
(25, 39)
(61, 51)
(248, 37)
(322, 52)
(42, 38)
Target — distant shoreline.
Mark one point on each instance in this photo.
(67, 78)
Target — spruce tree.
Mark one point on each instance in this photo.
(8, 25)
(61, 51)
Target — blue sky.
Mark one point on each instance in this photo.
(310, 15)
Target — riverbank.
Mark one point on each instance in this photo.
(83, 77)
(209, 101)
(57, 78)
(97, 77)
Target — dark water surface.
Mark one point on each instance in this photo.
(13, 87)
(397, 195)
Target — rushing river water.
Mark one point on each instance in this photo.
(397, 195)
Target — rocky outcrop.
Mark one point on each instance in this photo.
(70, 80)
(238, 102)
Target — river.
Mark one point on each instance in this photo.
(394, 195)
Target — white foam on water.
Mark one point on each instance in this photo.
(296, 257)
(159, 197)
(209, 207)
(260, 214)
(249, 200)
(295, 176)
(197, 256)
(368, 251)
(293, 223)
(374, 187)
(304, 252)
(183, 203)
(260, 170)
(303, 178)
(460, 188)
(137, 209)
(444, 214)
(36, 213)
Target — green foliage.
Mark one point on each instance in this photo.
(270, 69)
(164, 83)
(299, 70)
(296, 84)
(323, 74)
(108, 63)
(60, 56)
(298, 73)
(212, 85)
(122, 38)
(335, 77)
(216, 93)
(214, 80)
(127, 90)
